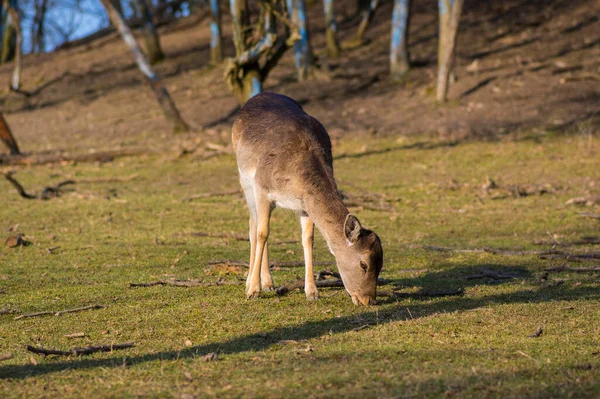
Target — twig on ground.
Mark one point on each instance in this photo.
(6, 311)
(235, 236)
(587, 201)
(79, 351)
(583, 241)
(571, 256)
(271, 264)
(185, 283)
(114, 179)
(421, 294)
(495, 251)
(489, 274)
(323, 274)
(76, 335)
(298, 284)
(60, 312)
(211, 194)
(537, 333)
(40, 159)
(47, 193)
(590, 215)
(18, 186)
(6, 356)
(564, 268)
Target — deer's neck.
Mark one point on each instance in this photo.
(328, 213)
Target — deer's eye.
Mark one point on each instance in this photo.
(363, 266)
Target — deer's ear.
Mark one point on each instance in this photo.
(352, 228)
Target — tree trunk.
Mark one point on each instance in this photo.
(37, 27)
(366, 16)
(216, 50)
(449, 12)
(162, 95)
(9, 41)
(118, 7)
(302, 48)
(399, 58)
(7, 137)
(16, 22)
(153, 48)
(333, 46)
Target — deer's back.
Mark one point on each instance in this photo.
(280, 144)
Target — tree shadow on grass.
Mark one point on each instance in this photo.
(393, 310)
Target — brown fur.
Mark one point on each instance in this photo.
(284, 157)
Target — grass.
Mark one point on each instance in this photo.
(476, 345)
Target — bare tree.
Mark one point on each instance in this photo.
(7, 137)
(449, 12)
(367, 11)
(333, 46)
(153, 49)
(162, 95)
(258, 48)
(216, 51)
(37, 27)
(16, 22)
(399, 58)
(302, 48)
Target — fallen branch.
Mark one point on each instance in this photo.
(489, 274)
(184, 283)
(572, 257)
(41, 159)
(299, 284)
(271, 264)
(60, 312)
(211, 194)
(495, 251)
(587, 201)
(590, 215)
(421, 294)
(6, 356)
(114, 179)
(235, 236)
(583, 241)
(47, 193)
(564, 268)
(79, 351)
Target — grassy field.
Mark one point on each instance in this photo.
(105, 235)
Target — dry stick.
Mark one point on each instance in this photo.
(211, 194)
(572, 257)
(271, 264)
(495, 251)
(42, 159)
(60, 312)
(490, 274)
(79, 351)
(18, 186)
(235, 236)
(564, 268)
(590, 215)
(6, 356)
(115, 179)
(583, 241)
(421, 294)
(184, 283)
(298, 284)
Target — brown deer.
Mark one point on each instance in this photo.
(284, 159)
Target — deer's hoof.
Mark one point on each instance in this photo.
(312, 295)
(252, 293)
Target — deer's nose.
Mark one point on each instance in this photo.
(363, 300)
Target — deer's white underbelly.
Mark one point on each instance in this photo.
(285, 201)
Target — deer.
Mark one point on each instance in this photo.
(284, 160)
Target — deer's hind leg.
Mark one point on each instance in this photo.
(308, 228)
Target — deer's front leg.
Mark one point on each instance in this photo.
(252, 237)
(310, 288)
(263, 216)
(266, 281)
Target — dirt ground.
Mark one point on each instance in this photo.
(523, 68)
